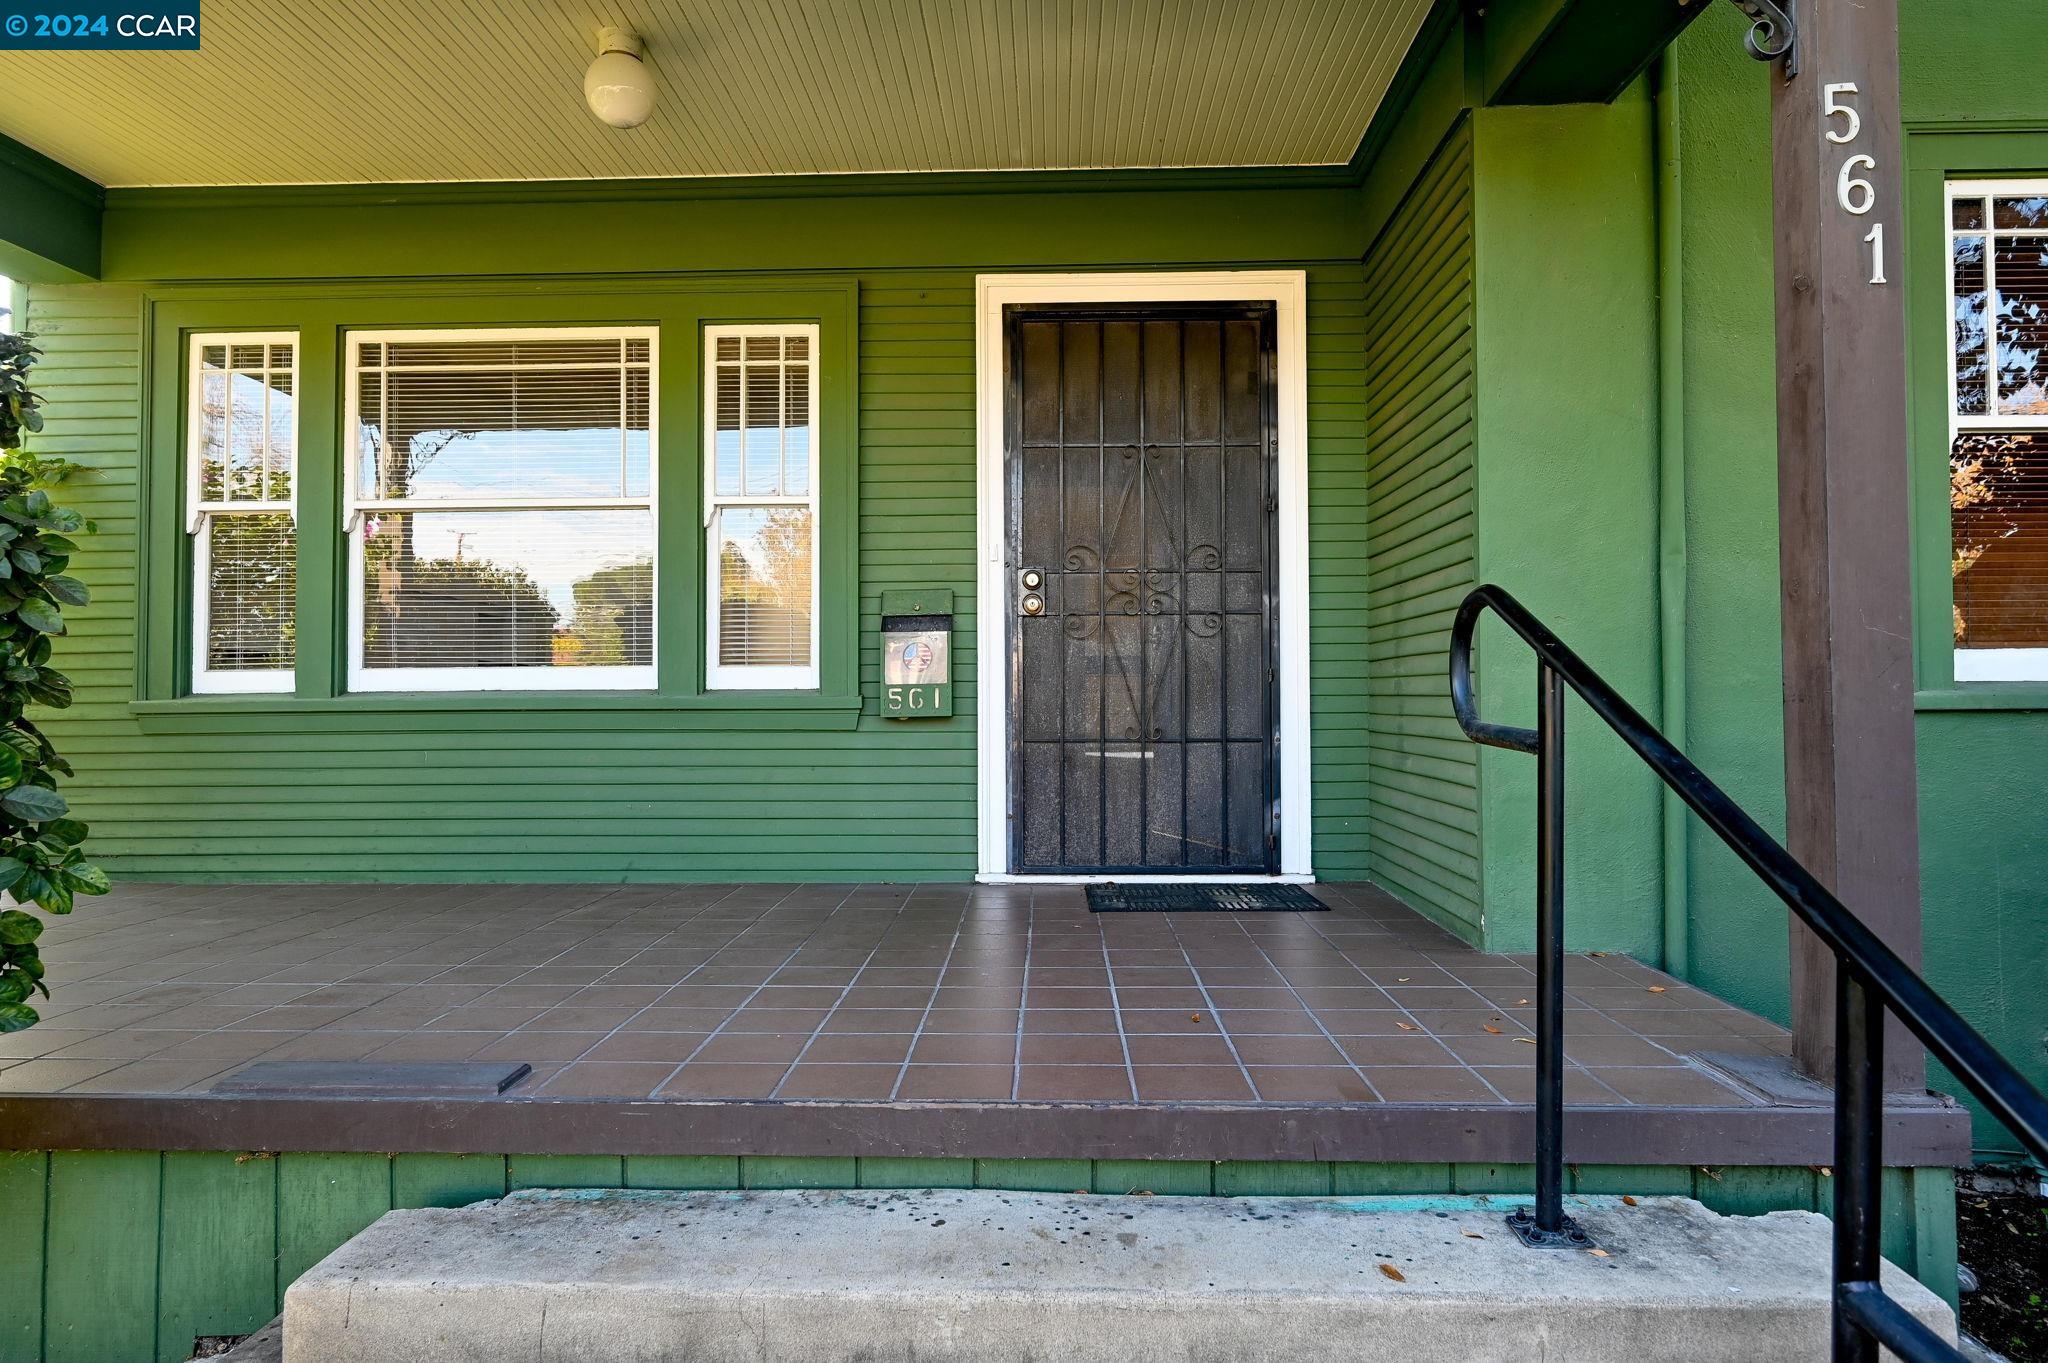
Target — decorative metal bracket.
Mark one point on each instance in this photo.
(1569, 1235)
(1773, 33)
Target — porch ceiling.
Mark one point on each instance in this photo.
(378, 91)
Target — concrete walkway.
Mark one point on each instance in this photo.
(987, 1277)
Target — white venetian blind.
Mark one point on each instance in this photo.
(761, 505)
(504, 488)
(242, 444)
(1998, 451)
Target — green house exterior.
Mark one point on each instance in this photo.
(1538, 353)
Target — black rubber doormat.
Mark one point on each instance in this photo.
(1195, 897)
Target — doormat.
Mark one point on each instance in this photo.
(1194, 897)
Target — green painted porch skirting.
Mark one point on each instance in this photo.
(128, 1255)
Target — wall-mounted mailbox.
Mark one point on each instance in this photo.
(917, 654)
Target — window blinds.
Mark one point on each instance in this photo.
(1998, 454)
(762, 512)
(243, 452)
(504, 487)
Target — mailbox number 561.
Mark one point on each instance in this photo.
(1853, 189)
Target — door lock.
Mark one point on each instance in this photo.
(1031, 601)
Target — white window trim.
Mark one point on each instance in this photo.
(354, 504)
(1980, 665)
(1287, 290)
(738, 677)
(208, 681)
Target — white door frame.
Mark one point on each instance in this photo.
(1287, 290)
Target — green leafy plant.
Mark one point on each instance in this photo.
(42, 861)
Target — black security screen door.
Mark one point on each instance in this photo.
(1140, 457)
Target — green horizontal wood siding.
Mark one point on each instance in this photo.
(598, 789)
(147, 1250)
(1421, 533)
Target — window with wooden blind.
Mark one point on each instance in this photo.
(241, 480)
(761, 479)
(501, 509)
(1998, 429)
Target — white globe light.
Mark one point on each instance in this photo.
(618, 84)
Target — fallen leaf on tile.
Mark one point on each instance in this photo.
(1597, 1253)
(1400, 979)
(1656, 989)
(1627, 1201)
(1407, 1026)
(1521, 1003)
(1194, 1017)
(1596, 953)
(1526, 1040)
(1396, 1274)
(1495, 1030)
(1471, 1235)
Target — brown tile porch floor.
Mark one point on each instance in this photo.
(850, 993)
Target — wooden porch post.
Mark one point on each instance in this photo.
(1851, 799)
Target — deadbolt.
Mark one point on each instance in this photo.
(1032, 604)
(1033, 579)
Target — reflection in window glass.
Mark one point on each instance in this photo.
(764, 587)
(252, 583)
(1998, 451)
(242, 447)
(512, 589)
(761, 418)
(1998, 496)
(505, 511)
(492, 420)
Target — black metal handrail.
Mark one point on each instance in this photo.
(1869, 979)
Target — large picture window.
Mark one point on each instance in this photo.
(761, 479)
(501, 509)
(241, 446)
(1998, 429)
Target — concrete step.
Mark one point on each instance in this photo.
(991, 1277)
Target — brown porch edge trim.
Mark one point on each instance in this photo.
(1922, 1134)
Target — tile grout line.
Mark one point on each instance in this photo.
(1405, 1012)
(917, 1033)
(847, 989)
(1023, 995)
(1316, 1018)
(1210, 1003)
(1117, 1010)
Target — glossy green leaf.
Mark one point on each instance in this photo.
(16, 1016)
(34, 804)
(87, 878)
(18, 928)
(40, 616)
(67, 590)
(70, 832)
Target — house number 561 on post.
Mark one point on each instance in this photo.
(1853, 189)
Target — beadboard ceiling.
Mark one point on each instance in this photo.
(354, 91)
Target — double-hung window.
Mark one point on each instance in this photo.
(1998, 429)
(241, 467)
(501, 509)
(761, 510)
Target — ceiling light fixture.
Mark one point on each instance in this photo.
(618, 85)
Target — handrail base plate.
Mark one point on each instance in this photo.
(1569, 1235)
